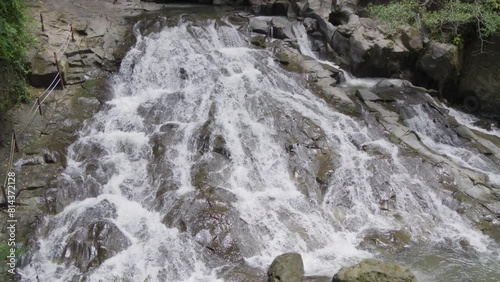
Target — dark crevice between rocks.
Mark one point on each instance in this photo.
(338, 18)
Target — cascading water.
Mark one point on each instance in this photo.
(209, 152)
(448, 144)
(305, 47)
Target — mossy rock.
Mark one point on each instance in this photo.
(287, 267)
(490, 228)
(391, 241)
(372, 270)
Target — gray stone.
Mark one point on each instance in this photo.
(440, 61)
(258, 40)
(480, 75)
(50, 157)
(88, 101)
(36, 184)
(371, 270)
(259, 26)
(304, 8)
(327, 29)
(271, 7)
(282, 28)
(310, 24)
(412, 39)
(366, 95)
(43, 69)
(287, 267)
(91, 247)
(317, 279)
(392, 83)
(33, 160)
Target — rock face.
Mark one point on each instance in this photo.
(371, 270)
(271, 7)
(441, 62)
(366, 50)
(322, 77)
(287, 267)
(43, 69)
(480, 76)
(90, 248)
(282, 28)
(258, 26)
(100, 42)
(322, 8)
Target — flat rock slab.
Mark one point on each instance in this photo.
(366, 95)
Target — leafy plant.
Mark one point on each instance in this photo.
(14, 41)
(395, 14)
(445, 18)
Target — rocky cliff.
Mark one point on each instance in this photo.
(363, 47)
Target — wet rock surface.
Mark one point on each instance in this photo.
(374, 270)
(286, 267)
(90, 248)
(43, 144)
(209, 214)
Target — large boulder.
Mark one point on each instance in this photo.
(258, 25)
(412, 39)
(441, 62)
(90, 248)
(271, 7)
(287, 267)
(43, 69)
(372, 270)
(366, 49)
(282, 28)
(480, 76)
(321, 8)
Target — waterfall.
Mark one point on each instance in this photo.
(210, 153)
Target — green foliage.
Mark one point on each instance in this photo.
(395, 14)
(441, 17)
(457, 40)
(493, 4)
(14, 41)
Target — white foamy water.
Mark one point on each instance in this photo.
(469, 120)
(137, 164)
(446, 144)
(305, 47)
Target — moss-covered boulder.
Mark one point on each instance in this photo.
(287, 267)
(372, 270)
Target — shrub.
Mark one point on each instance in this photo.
(14, 41)
(445, 18)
